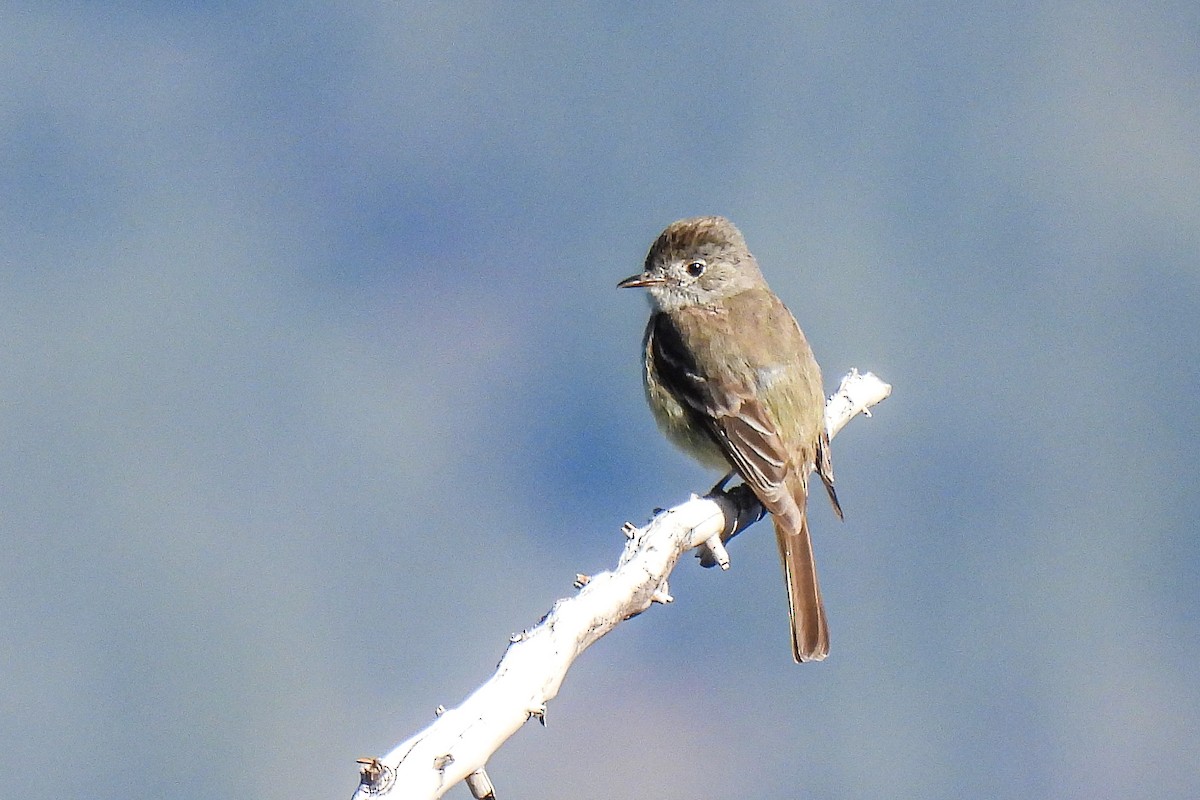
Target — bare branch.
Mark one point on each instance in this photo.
(457, 745)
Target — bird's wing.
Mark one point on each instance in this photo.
(735, 418)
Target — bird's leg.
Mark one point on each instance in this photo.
(742, 509)
(719, 486)
(712, 553)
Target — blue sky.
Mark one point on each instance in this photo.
(316, 386)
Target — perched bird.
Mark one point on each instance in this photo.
(732, 381)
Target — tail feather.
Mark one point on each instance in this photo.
(810, 633)
(824, 467)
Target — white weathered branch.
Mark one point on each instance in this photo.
(459, 742)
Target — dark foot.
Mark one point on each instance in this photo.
(719, 486)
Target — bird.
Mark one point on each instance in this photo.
(731, 380)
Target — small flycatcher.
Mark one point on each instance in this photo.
(732, 381)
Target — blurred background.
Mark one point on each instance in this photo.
(315, 385)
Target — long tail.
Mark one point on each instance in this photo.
(810, 633)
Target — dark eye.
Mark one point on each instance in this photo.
(696, 268)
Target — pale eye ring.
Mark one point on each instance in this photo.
(695, 268)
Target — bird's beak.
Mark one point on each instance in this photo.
(644, 279)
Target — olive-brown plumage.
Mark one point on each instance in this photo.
(732, 381)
